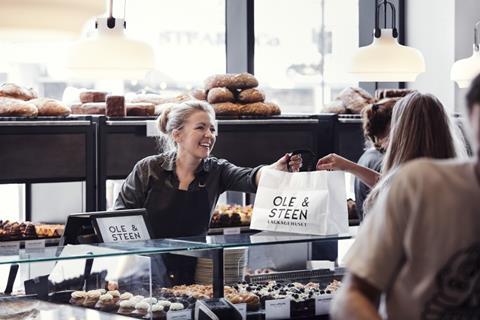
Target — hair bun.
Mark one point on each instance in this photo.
(163, 119)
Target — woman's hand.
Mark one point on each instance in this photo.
(334, 162)
(295, 163)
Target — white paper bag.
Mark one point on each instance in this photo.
(302, 202)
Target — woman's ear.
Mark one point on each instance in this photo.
(177, 135)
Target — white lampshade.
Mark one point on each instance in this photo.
(110, 54)
(26, 20)
(386, 60)
(463, 71)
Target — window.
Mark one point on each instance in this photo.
(301, 49)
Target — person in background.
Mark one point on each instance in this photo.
(420, 245)
(420, 127)
(180, 187)
(376, 126)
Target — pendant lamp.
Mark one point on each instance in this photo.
(464, 70)
(109, 53)
(385, 59)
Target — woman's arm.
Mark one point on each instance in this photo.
(335, 162)
(295, 163)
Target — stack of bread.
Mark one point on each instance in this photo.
(236, 95)
(17, 101)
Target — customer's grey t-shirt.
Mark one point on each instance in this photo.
(372, 159)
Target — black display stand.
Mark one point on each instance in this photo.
(38, 150)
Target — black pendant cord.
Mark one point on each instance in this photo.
(475, 37)
(385, 4)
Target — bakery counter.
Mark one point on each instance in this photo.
(124, 278)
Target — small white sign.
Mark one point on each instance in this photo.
(242, 308)
(322, 304)
(277, 309)
(10, 246)
(235, 230)
(35, 244)
(123, 228)
(179, 315)
(152, 129)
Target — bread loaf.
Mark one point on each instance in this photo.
(140, 109)
(11, 90)
(350, 100)
(115, 106)
(50, 107)
(392, 93)
(217, 95)
(250, 96)
(92, 108)
(17, 108)
(227, 109)
(260, 109)
(92, 96)
(231, 81)
(199, 94)
(249, 109)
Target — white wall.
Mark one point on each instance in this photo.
(430, 28)
(443, 31)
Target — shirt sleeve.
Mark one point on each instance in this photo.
(378, 250)
(132, 193)
(235, 178)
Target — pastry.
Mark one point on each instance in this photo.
(176, 306)
(217, 95)
(77, 298)
(231, 81)
(150, 301)
(141, 308)
(124, 296)
(199, 94)
(126, 307)
(92, 96)
(91, 298)
(260, 109)
(10, 107)
(165, 304)
(115, 106)
(250, 96)
(105, 302)
(392, 93)
(227, 109)
(50, 107)
(115, 294)
(140, 109)
(11, 90)
(91, 108)
(158, 312)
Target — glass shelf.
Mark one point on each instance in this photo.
(69, 252)
(262, 238)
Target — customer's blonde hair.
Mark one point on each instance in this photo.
(420, 127)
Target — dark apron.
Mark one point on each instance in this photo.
(186, 214)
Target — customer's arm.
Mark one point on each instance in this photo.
(356, 300)
(335, 162)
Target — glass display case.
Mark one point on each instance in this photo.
(164, 279)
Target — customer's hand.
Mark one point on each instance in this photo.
(295, 163)
(334, 162)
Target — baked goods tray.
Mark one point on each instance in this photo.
(303, 276)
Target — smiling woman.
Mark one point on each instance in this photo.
(180, 187)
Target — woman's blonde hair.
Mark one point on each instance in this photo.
(420, 127)
(174, 117)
